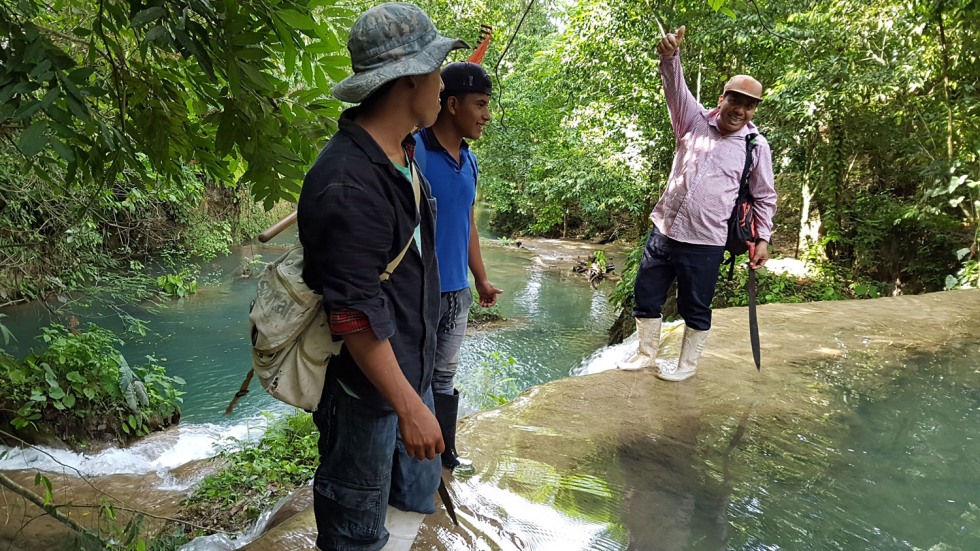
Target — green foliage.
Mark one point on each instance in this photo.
(253, 220)
(963, 193)
(827, 284)
(116, 530)
(118, 118)
(622, 296)
(258, 473)
(178, 285)
(239, 90)
(5, 333)
(495, 385)
(71, 240)
(206, 241)
(76, 384)
(869, 106)
(480, 314)
(125, 533)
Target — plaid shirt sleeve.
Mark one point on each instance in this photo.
(347, 321)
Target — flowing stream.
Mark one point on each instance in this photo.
(552, 322)
(860, 432)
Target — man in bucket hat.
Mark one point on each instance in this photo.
(379, 439)
(690, 222)
(450, 167)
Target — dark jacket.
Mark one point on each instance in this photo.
(356, 212)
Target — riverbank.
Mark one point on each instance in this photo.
(562, 255)
(553, 323)
(568, 461)
(844, 330)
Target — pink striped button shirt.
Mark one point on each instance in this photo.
(703, 185)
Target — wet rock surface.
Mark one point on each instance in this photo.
(621, 446)
(623, 460)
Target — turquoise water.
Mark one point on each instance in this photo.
(554, 322)
(898, 469)
(888, 461)
(893, 465)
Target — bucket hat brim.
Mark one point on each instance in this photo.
(357, 87)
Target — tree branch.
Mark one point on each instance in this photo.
(122, 504)
(46, 507)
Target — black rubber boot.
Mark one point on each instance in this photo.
(447, 408)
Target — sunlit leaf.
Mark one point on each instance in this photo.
(147, 15)
(296, 19)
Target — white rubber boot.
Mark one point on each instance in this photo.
(687, 364)
(648, 343)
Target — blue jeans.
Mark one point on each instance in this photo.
(454, 309)
(694, 266)
(363, 468)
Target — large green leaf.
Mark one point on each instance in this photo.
(34, 139)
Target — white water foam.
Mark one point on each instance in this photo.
(609, 357)
(157, 453)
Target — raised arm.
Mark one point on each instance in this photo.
(681, 104)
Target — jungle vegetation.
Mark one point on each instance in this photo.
(138, 131)
(130, 129)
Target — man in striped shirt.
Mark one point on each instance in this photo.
(690, 222)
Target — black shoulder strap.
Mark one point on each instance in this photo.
(743, 188)
(743, 191)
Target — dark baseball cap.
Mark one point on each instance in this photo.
(463, 77)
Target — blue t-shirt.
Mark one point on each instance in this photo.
(454, 189)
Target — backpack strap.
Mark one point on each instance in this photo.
(743, 191)
(417, 191)
(743, 182)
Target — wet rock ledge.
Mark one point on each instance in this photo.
(649, 430)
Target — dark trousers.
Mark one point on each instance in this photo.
(694, 266)
(363, 468)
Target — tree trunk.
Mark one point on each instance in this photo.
(946, 85)
(809, 234)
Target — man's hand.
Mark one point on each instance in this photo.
(420, 432)
(419, 427)
(487, 293)
(670, 43)
(760, 255)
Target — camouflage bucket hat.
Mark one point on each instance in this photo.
(390, 41)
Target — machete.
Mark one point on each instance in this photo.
(753, 321)
(447, 500)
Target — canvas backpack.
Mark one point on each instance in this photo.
(290, 335)
(742, 231)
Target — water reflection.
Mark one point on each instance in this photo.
(526, 505)
(859, 453)
(669, 502)
(893, 465)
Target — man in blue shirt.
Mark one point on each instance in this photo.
(450, 167)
